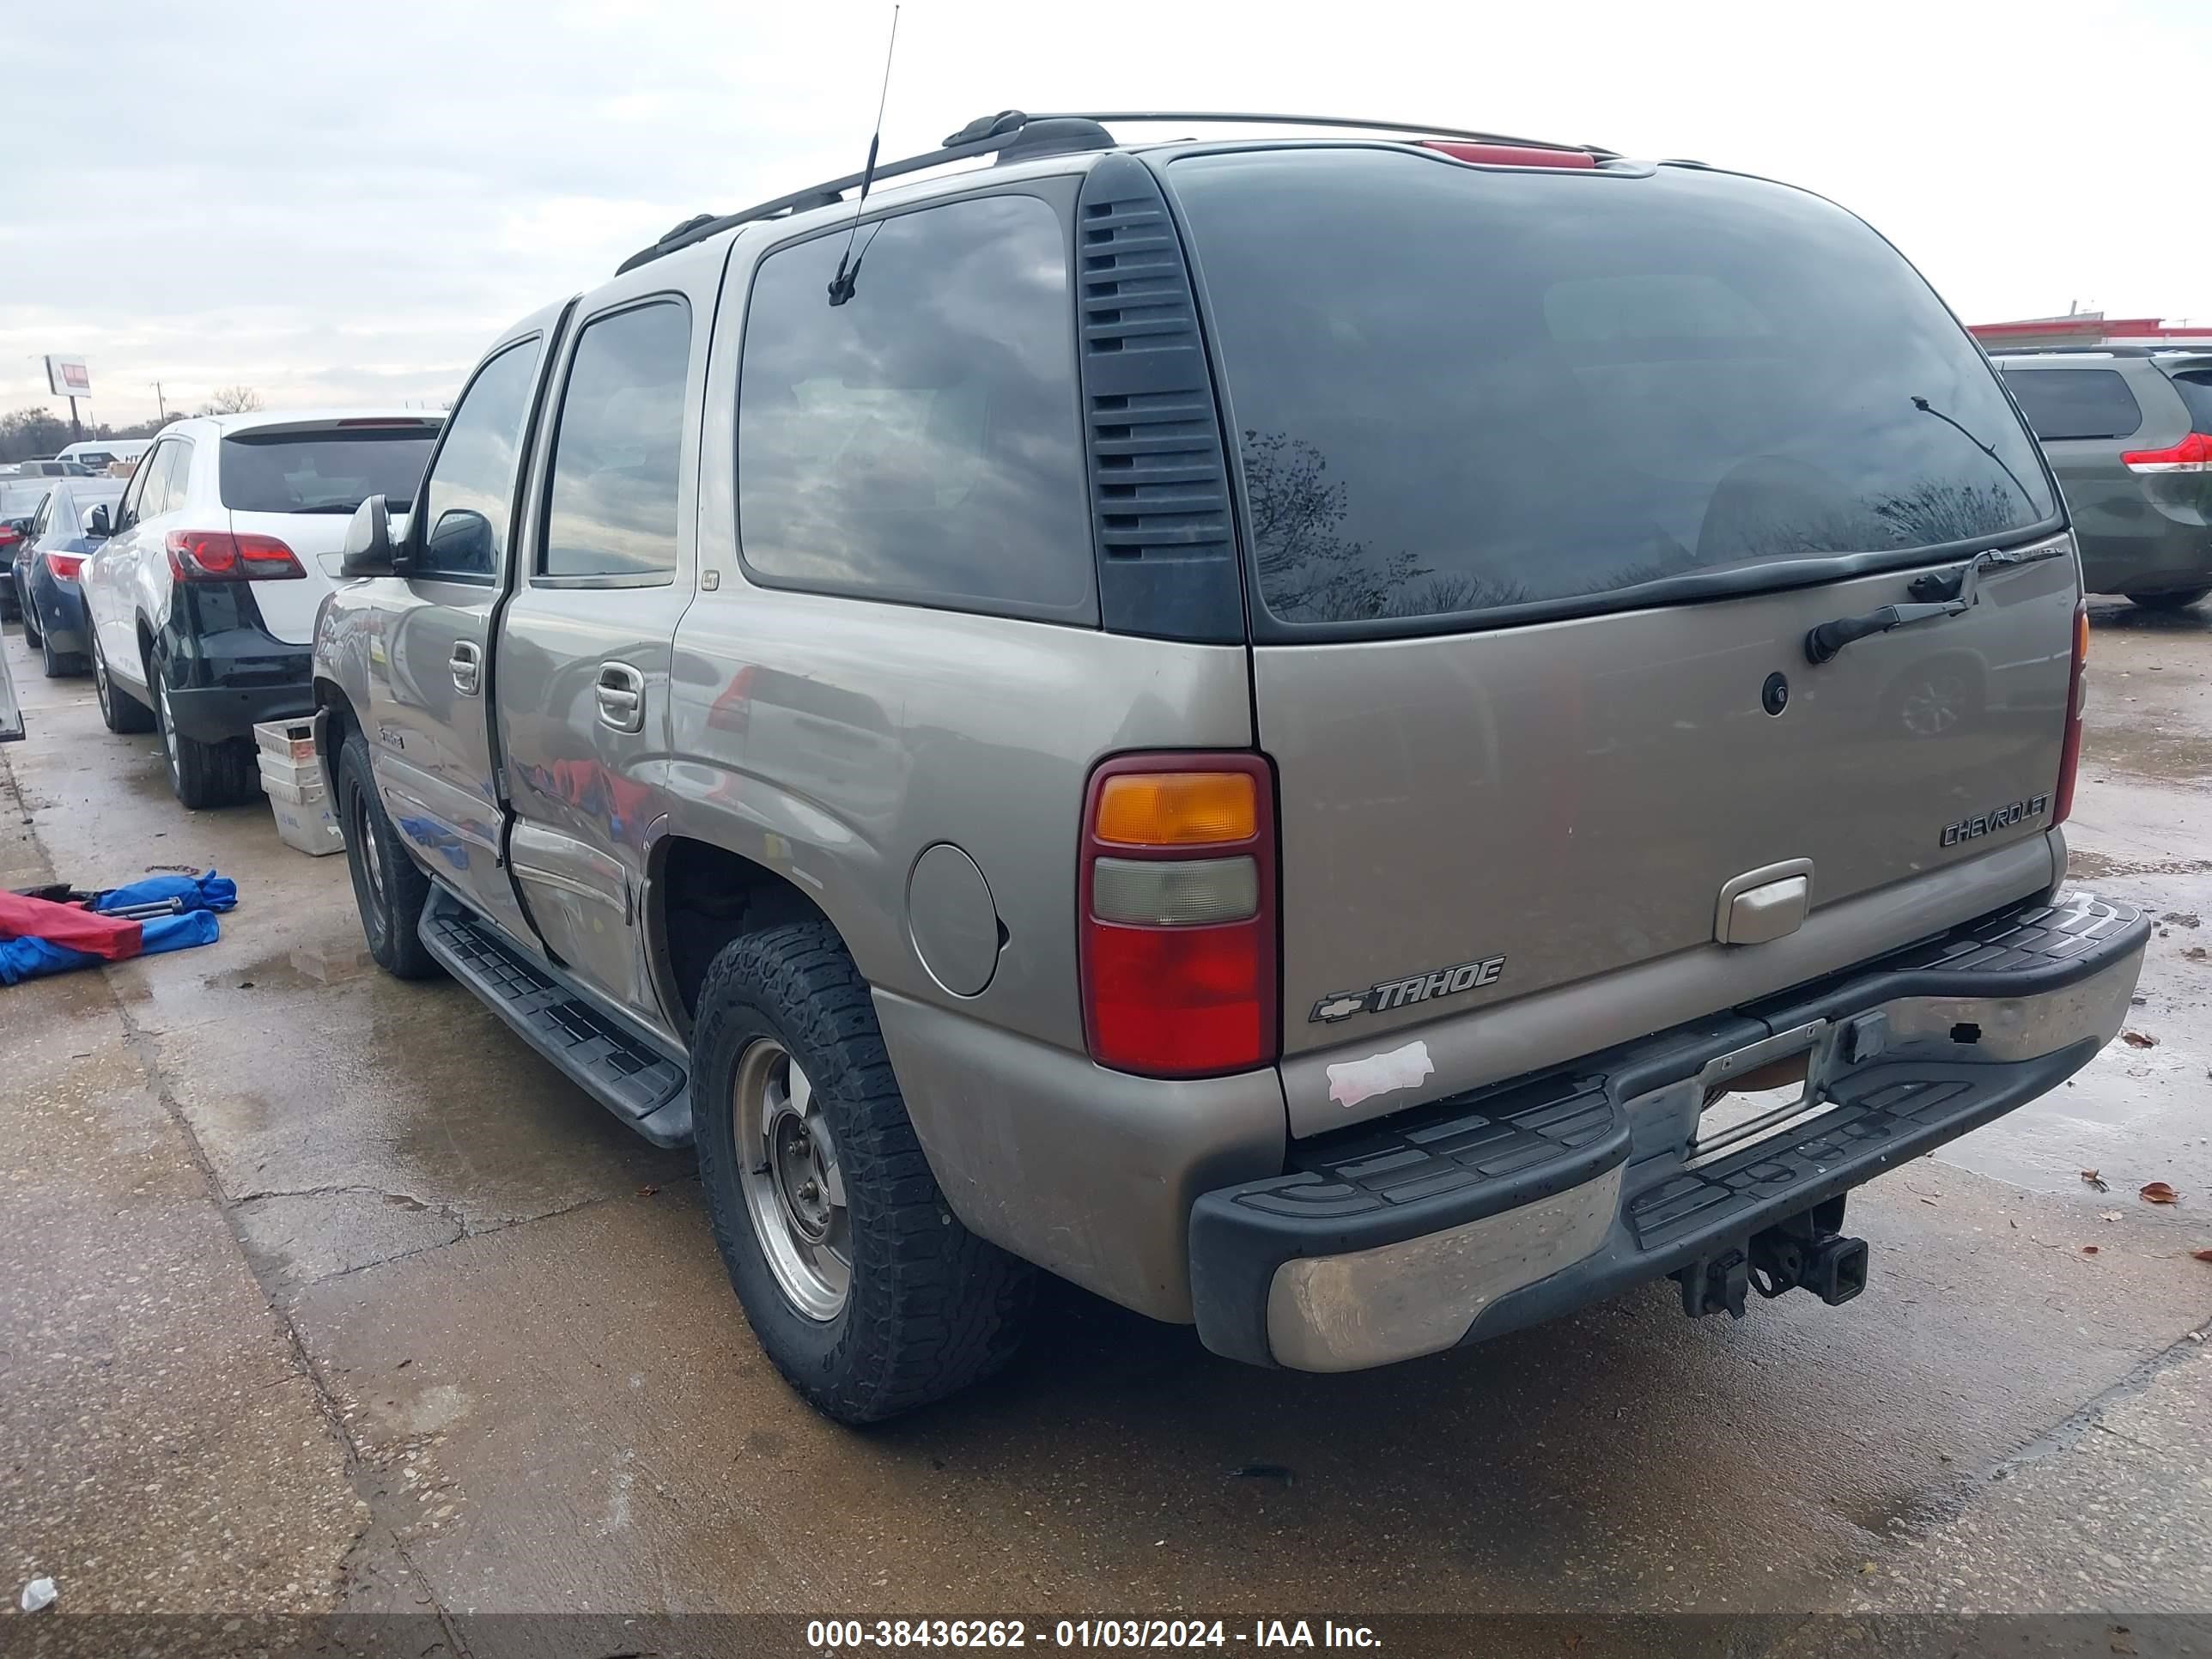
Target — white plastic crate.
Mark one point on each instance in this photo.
(296, 775)
(303, 811)
(287, 740)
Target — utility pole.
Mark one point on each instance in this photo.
(160, 407)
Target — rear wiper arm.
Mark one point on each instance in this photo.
(1951, 594)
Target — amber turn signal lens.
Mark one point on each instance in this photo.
(1176, 809)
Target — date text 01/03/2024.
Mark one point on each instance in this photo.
(829, 1634)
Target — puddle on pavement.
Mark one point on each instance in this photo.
(299, 969)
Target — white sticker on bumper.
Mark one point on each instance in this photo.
(1351, 1081)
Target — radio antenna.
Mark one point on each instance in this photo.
(848, 268)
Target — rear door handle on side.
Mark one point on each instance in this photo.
(467, 664)
(621, 694)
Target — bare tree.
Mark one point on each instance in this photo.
(233, 400)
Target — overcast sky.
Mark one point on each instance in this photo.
(344, 204)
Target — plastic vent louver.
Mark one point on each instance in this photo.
(1167, 559)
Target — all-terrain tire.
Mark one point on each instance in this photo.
(388, 887)
(930, 1308)
(119, 711)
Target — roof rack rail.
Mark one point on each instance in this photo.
(1260, 119)
(1011, 133)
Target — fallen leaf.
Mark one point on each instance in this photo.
(2111, 1215)
(2089, 1249)
(646, 1192)
(2139, 1040)
(2159, 1193)
(2203, 1255)
(2096, 1180)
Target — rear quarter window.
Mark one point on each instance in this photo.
(1459, 389)
(2067, 404)
(922, 440)
(2195, 385)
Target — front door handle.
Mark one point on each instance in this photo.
(467, 664)
(621, 694)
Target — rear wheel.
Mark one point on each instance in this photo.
(55, 665)
(220, 773)
(859, 1281)
(388, 888)
(2179, 599)
(119, 710)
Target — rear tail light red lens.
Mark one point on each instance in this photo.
(2070, 753)
(216, 556)
(1178, 914)
(65, 565)
(9, 535)
(2192, 454)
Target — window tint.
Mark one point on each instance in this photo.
(470, 494)
(173, 471)
(2196, 389)
(614, 453)
(322, 471)
(1458, 389)
(2075, 403)
(134, 492)
(922, 440)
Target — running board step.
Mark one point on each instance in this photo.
(635, 1081)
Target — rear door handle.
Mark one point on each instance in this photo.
(621, 694)
(467, 664)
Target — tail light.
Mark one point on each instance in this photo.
(216, 556)
(9, 535)
(64, 565)
(2192, 454)
(2070, 753)
(1178, 914)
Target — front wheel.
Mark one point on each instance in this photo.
(388, 888)
(119, 710)
(2179, 599)
(859, 1282)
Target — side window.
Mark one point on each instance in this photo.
(612, 508)
(921, 441)
(470, 492)
(2196, 389)
(165, 491)
(43, 519)
(2075, 403)
(134, 493)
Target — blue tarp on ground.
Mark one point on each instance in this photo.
(201, 896)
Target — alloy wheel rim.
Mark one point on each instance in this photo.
(794, 1182)
(168, 727)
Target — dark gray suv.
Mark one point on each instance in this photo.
(2129, 432)
(1296, 732)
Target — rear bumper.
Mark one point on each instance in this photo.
(2176, 555)
(226, 671)
(1511, 1205)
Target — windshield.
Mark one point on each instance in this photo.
(1457, 390)
(322, 471)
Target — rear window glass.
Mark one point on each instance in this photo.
(1458, 390)
(2195, 386)
(322, 471)
(2075, 403)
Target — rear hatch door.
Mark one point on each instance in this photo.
(301, 481)
(1549, 474)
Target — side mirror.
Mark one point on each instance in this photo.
(98, 524)
(367, 548)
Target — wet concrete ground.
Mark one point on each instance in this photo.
(321, 1292)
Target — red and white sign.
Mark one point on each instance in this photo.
(67, 377)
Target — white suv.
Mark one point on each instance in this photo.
(203, 600)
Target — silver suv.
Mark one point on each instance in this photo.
(1358, 741)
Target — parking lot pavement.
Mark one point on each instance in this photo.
(499, 1367)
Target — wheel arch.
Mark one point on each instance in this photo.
(700, 894)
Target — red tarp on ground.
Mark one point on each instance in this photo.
(111, 936)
